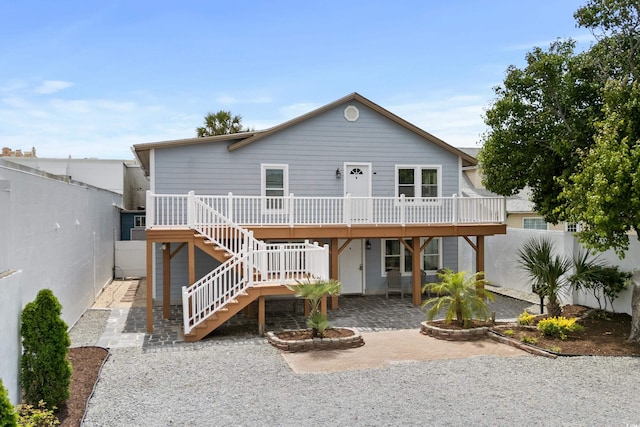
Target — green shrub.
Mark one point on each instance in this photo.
(28, 416)
(525, 318)
(529, 340)
(45, 372)
(8, 416)
(508, 332)
(556, 349)
(558, 327)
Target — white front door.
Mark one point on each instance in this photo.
(351, 267)
(357, 184)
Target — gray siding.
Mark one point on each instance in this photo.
(313, 150)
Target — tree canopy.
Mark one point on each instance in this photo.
(567, 127)
(221, 123)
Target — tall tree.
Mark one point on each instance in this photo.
(542, 115)
(221, 123)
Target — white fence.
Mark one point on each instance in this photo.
(501, 267)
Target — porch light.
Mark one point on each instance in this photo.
(338, 174)
(368, 245)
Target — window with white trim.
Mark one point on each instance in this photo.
(534, 223)
(395, 255)
(572, 227)
(275, 185)
(139, 221)
(418, 181)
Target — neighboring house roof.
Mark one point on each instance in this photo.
(239, 140)
(518, 203)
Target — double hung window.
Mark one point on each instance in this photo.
(418, 181)
(275, 185)
(397, 256)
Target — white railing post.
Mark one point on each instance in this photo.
(347, 210)
(230, 206)
(282, 264)
(291, 211)
(503, 216)
(150, 220)
(403, 210)
(191, 209)
(185, 310)
(454, 209)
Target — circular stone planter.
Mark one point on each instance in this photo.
(341, 343)
(470, 334)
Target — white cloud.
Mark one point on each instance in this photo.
(52, 86)
(455, 119)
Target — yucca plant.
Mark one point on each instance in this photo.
(458, 297)
(314, 291)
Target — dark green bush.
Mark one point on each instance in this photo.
(45, 372)
(8, 416)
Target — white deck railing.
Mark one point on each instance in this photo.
(179, 210)
(284, 264)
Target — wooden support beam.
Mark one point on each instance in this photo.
(323, 305)
(192, 262)
(470, 242)
(426, 242)
(334, 254)
(406, 245)
(261, 316)
(344, 245)
(149, 286)
(480, 264)
(416, 286)
(182, 245)
(166, 281)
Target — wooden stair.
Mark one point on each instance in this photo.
(210, 248)
(232, 308)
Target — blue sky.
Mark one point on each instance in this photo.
(92, 78)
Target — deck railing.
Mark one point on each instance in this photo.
(252, 261)
(283, 264)
(178, 210)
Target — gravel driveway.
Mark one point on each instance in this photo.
(247, 383)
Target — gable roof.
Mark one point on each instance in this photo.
(239, 140)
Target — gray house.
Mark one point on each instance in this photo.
(348, 191)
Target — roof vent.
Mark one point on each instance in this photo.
(351, 113)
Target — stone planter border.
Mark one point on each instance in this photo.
(343, 343)
(470, 334)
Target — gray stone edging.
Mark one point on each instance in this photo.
(342, 343)
(453, 334)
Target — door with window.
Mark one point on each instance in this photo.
(357, 185)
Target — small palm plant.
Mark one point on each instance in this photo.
(459, 297)
(314, 291)
(547, 272)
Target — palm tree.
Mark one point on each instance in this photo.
(547, 272)
(458, 297)
(221, 123)
(314, 291)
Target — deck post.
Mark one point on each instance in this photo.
(480, 263)
(334, 253)
(149, 285)
(166, 280)
(192, 262)
(261, 316)
(416, 286)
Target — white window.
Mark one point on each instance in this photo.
(572, 227)
(418, 181)
(534, 223)
(396, 256)
(139, 221)
(275, 185)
